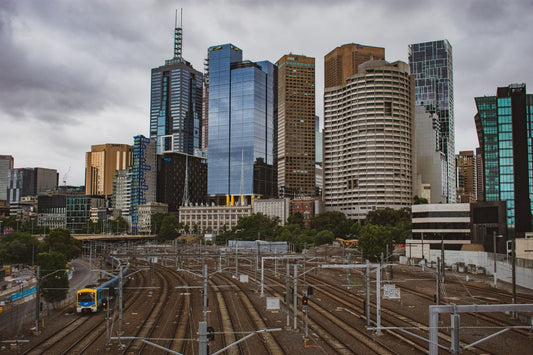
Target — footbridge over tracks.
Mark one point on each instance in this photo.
(113, 237)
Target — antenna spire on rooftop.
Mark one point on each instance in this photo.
(178, 36)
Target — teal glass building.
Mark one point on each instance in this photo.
(431, 64)
(505, 131)
(242, 113)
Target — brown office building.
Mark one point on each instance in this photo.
(342, 62)
(296, 126)
(100, 166)
(466, 176)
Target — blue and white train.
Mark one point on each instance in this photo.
(91, 299)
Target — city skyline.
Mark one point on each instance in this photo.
(77, 74)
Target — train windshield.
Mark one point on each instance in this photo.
(85, 297)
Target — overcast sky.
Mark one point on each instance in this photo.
(74, 73)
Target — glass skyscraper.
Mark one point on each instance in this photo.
(242, 113)
(176, 104)
(431, 64)
(504, 124)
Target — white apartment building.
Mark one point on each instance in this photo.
(368, 140)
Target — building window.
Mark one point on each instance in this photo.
(388, 108)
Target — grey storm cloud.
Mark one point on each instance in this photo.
(79, 70)
(67, 69)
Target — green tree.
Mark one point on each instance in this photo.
(303, 240)
(297, 219)
(54, 280)
(256, 226)
(420, 200)
(94, 227)
(118, 226)
(355, 230)
(169, 229)
(324, 237)
(222, 238)
(333, 221)
(61, 241)
(373, 241)
(18, 248)
(157, 220)
(397, 221)
(284, 235)
(387, 216)
(402, 231)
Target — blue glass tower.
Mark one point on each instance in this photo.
(431, 64)
(143, 189)
(176, 104)
(242, 112)
(505, 131)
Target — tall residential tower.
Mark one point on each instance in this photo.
(296, 125)
(368, 140)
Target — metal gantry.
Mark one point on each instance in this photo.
(453, 309)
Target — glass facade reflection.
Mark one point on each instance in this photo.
(504, 125)
(242, 111)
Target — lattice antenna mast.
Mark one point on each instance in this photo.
(178, 36)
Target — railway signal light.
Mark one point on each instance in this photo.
(210, 333)
(305, 300)
(104, 303)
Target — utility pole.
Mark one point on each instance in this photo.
(256, 266)
(305, 254)
(236, 259)
(513, 253)
(295, 298)
(367, 302)
(378, 301)
(202, 338)
(288, 293)
(37, 300)
(120, 300)
(494, 254)
(442, 264)
(437, 278)
(205, 293)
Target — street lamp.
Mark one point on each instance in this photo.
(494, 236)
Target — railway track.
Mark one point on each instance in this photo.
(78, 335)
(329, 332)
(243, 322)
(167, 313)
(161, 318)
(353, 305)
(395, 315)
(477, 295)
